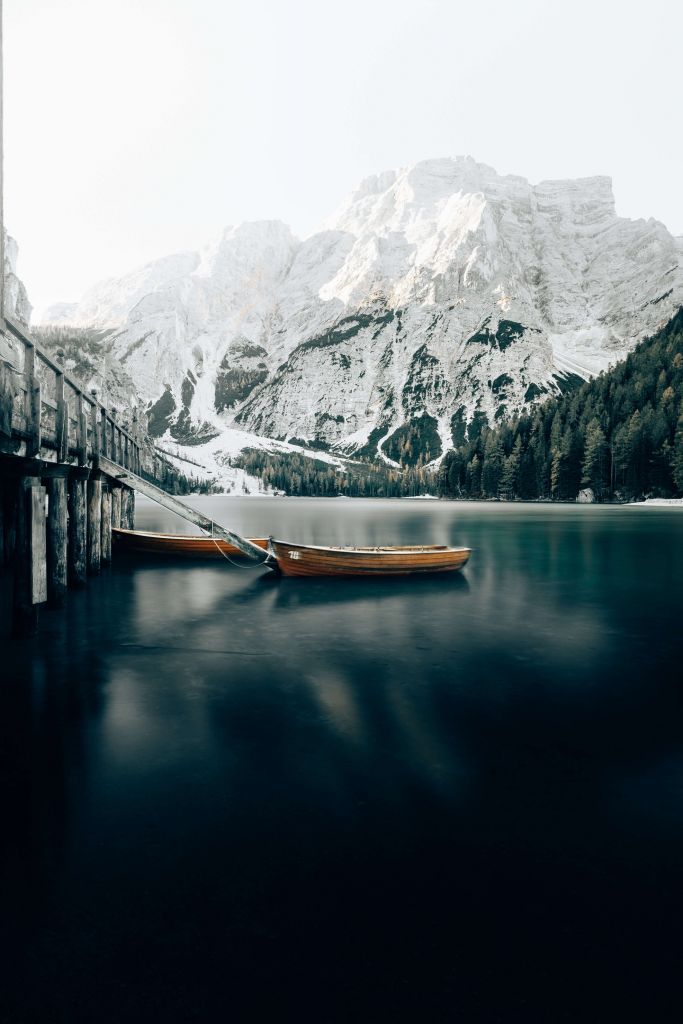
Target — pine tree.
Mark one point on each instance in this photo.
(510, 472)
(492, 467)
(595, 461)
(677, 456)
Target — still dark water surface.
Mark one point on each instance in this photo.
(232, 797)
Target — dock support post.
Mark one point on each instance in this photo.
(115, 507)
(78, 526)
(30, 576)
(127, 508)
(124, 508)
(105, 525)
(9, 517)
(2, 526)
(57, 532)
(94, 523)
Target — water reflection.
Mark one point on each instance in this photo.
(303, 778)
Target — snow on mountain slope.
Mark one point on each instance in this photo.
(213, 460)
(436, 296)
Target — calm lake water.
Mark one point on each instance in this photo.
(232, 797)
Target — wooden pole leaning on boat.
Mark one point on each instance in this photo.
(171, 503)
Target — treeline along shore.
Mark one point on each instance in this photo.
(619, 435)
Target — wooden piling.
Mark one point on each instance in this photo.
(77, 554)
(115, 507)
(33, 402)
(57, 534)
(131, 510)
(94, 523)
(61, 420)
(30, 577)
(2, 525)
(105, 524)
(124, 508)
(9, 517)
(127, 508)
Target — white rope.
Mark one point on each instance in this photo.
(238, 565)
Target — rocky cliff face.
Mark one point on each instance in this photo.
(436, 299)
(17, 305)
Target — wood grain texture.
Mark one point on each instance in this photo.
(77, 553)
(178, 545)
(57, 533)
(38, 543)
(94, 525)
(105, 525)
(308, 560)
(115, 508)
(174, 505)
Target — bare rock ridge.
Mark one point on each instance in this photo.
(437, 298)
(16, 299)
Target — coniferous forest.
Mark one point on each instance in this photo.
(302, 476)
(620, 434)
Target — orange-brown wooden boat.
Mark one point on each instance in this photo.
(310, 560)
(188, 545)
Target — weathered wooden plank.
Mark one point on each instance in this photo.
(114, 455)
(123, 511)
(7, 392)
(9, 519)
(81, 432)
(105, 524)
(2, 525)
(24, 335)
(57, 534)
(94, 431)
(116, 507)
(32, 401)
(25, 616)
(94, 524)
(61, 420)
(104, 441)
(127, 508)
(173, 505)
(77, 552)
(38, 543)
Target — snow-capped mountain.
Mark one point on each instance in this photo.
(438, 296)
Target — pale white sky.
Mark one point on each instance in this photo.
(137, 128)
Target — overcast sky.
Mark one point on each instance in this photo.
(137, 128)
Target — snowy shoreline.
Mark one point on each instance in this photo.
(660, 502)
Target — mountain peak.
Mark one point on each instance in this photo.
(440, 294)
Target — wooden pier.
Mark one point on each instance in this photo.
(64, 458)
(69, 470)
(57, 508)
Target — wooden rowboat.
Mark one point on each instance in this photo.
(302, 559)
(189, 545)
(310, 560)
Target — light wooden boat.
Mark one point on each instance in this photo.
(188, 545)
(311, 560)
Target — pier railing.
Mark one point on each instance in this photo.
(50, 410)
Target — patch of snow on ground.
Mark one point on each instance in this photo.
(668, 502)
(210, 461)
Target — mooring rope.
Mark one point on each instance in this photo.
(239, 565)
